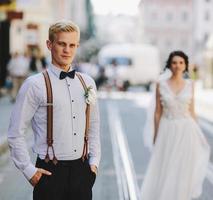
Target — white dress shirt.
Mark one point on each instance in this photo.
(69, 120)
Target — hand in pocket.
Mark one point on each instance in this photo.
(37, 176)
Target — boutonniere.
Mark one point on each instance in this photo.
(90, 95)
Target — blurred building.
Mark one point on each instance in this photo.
(203, 40)
(203, 18)
(79, 11)
(24, 24)
(168, 25)
(203, 27)
(208, 63)
(117, 28)
(8, 14)
(31, 31)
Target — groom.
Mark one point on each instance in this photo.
(65, 121)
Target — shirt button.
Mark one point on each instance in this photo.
(74, 133)
(73, 117)
(72, 100)
(75, 150)
(68, 85)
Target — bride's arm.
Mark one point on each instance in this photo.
(158, 113)
(192, 107)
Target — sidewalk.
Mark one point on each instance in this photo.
(5, 111)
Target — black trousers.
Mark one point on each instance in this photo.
(70, 180)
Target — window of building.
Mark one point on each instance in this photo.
(169, 16)
(154, 41)
(154, 16)
(168, 43)
(185, 16)
(205, 38)
(207, 16)
(183, 43)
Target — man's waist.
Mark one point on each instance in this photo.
(64, 156)
(62, 162)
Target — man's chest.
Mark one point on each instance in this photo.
(68, 96)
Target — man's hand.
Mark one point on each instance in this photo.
(36, 177)
(93, 169)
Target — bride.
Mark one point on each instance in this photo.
(181, 153)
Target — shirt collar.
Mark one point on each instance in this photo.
(56, 70)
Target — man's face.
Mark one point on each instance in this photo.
(63, 48)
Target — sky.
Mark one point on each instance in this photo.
(104, 7)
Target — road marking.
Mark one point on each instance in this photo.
(127, 182)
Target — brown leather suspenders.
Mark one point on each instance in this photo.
(85, 149)
(50, 119)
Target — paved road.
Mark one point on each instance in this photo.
(132, 115)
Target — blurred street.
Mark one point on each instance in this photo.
(129, 109)
(124, 46)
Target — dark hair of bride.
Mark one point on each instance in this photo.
(177, 53)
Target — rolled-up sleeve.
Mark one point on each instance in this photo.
(94, 134)
(26, 104)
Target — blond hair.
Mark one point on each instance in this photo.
(63, 26)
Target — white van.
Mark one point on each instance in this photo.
(139, 64)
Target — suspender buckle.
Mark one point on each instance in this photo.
(86, 138)
(49, 142)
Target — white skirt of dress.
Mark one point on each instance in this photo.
(179, 162)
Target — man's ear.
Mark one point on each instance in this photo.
(49, 44)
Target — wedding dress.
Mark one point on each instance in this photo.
(181, 153)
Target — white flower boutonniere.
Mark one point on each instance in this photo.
(90, 95)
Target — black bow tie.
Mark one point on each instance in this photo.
(70, 74)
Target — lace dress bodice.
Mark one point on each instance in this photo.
(175, 106)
